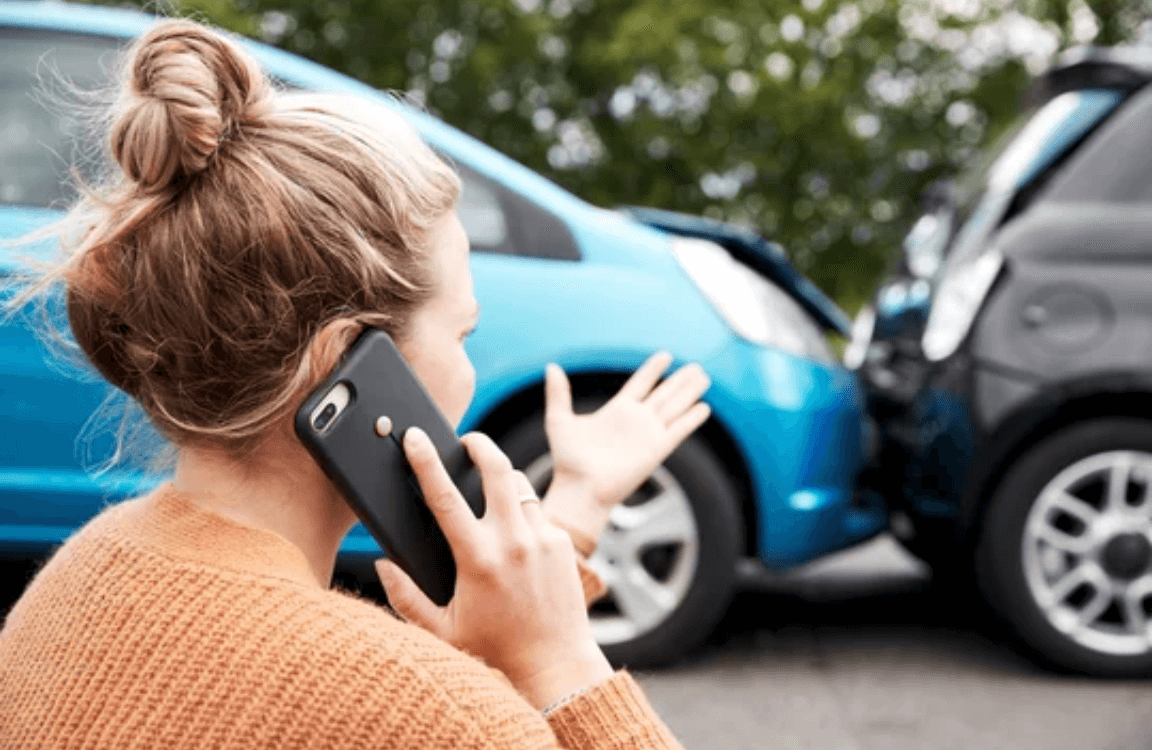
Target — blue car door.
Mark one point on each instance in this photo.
(46, 489)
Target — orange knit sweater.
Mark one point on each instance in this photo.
(160, 625)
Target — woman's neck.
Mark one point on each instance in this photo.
(279, 488)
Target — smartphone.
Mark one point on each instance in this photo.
(353, 424)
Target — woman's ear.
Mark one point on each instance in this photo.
(323, 354)
(329, 345)
(321, 357)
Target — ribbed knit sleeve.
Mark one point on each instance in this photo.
(200, 635)
(593, 585)
(613, 715)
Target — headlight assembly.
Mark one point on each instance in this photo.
(862, 329)
(958, 300)
(755, 308)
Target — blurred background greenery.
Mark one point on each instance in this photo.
(818, 122)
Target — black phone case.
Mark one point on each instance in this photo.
(372, 472)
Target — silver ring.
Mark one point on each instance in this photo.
(527, 499)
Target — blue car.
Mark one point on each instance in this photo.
(766, 483)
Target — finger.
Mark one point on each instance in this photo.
(689, 379)
(557, 394)
(497, 476)
(407, 598)
(687, 423)
(524, 486)
(646, 376)
(529, 501)
(452, 513)
(680, 391)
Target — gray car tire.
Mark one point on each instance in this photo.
(1043, 555)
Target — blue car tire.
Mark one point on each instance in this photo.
(668, 555)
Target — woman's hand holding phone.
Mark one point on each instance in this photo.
(518, 602)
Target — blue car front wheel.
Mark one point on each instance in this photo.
(668, 555)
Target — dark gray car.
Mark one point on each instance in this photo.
(1013, 388)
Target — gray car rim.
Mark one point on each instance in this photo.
(647, 556)
(1087, 552)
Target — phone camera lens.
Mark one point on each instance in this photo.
(324, 417)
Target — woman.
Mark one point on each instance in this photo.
(246, 241)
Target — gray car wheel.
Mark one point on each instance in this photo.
(1065, 549)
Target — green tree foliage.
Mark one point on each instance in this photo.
(819, 122)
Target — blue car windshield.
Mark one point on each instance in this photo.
(986, 189)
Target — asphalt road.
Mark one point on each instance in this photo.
(860, 652)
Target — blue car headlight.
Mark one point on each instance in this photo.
(755, 308)
(862, 328)
(958, 299)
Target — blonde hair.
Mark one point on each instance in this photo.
(241, 221)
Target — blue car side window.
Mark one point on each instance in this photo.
(484, 219)
(499, 220)
(38, 144)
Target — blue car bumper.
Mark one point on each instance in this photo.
(802, 430)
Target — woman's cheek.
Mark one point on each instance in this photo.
(463, 391)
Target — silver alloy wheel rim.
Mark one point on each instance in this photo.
(662, 518)
(1063, 544)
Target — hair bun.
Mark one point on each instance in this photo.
(186, 91)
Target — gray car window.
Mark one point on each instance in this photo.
(1115, 166)
(39, 142)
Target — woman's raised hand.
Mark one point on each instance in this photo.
(601, 458)
(518, 602)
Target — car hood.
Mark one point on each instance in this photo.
(750, 248)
